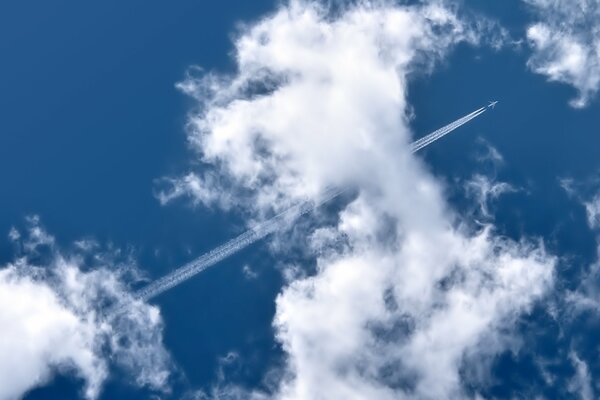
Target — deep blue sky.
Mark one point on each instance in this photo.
(90, 118)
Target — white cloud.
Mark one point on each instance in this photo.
(14, 234)
(484, 190)
(52, 322)
(249, 273)
(314, 71)
(582, 301)
(405, 290)
(483, 187)
(489, 155)
(581, 383)
(586, 296)
(566, 44)
(592, 208)
(39, 334)
(581, 192)
(403, 317)
(193, 186)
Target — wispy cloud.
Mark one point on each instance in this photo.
(566, 44)
(484, 190)
(581, 383)
(592, 208)
(586, 192)
(51, 312)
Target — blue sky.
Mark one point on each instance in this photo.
(135, 137)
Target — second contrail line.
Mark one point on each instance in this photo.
(262, 230)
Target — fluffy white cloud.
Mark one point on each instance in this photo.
(51, 313)
(566, 44)
(275, 127)
(38, 334)
(405, 289)
(385, 320)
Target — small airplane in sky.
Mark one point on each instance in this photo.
(493, 104)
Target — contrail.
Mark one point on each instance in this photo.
(443, 131)
(236, 244)
(232, 246)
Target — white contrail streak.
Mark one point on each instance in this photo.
(443, 131)
(232, 246)
(236, 244)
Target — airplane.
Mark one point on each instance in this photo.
(493, 104)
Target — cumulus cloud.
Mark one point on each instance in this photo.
(566, 44)
(298, 73)
(406, 291)
(51, 313)
(398, 319)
